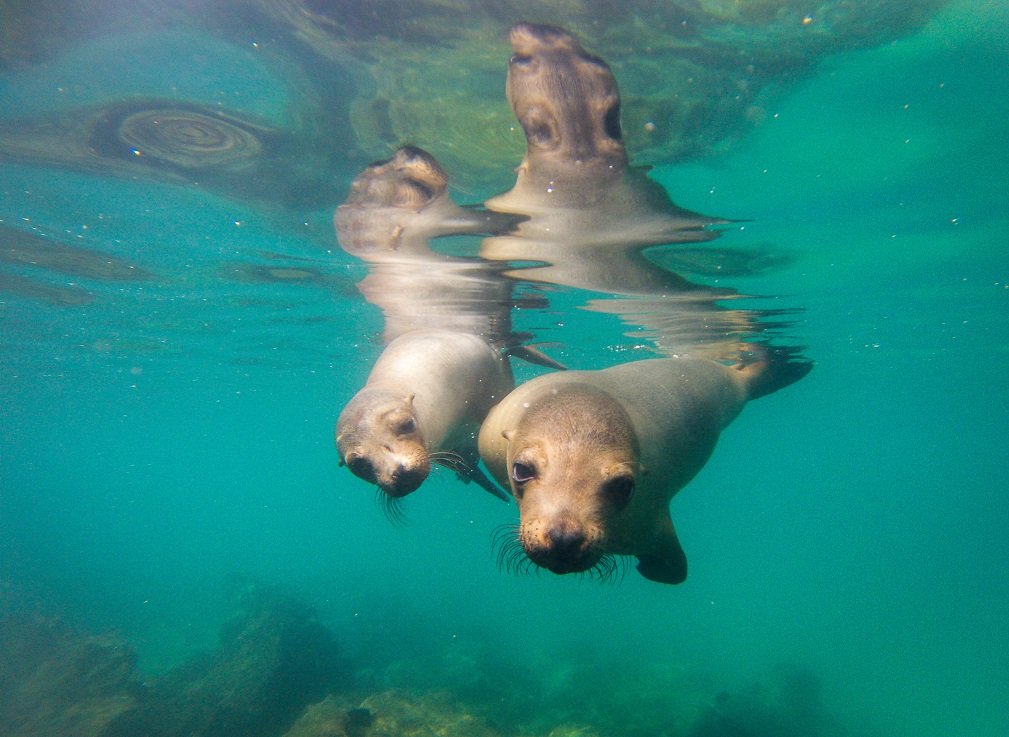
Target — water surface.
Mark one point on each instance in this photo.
(175, 351)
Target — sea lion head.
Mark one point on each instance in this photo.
(380, 440)
(572, 465)
(565, 99)
(411, 179)
(386, 199)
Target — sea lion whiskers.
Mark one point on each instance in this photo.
(609, 568)
(512, 558)
(450, 459)
(510, 554)
(391, 507)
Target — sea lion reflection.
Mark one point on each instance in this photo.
(589, 216)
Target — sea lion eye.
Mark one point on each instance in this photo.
(619, 490)
(405, 426)
(520, 59)
(522, 472)
(361, 467)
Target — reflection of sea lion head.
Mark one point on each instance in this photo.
(380, 441)
(390, 200)
(411, 179)
(572, 461)
(565, 98)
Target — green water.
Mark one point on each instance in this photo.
(175, 434)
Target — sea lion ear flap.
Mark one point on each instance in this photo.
(409, 399)
(507, 434)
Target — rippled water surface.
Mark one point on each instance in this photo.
(179, 329)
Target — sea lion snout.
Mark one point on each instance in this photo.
(395, 476)
(531, 38)
(561, 546)
(405, 479)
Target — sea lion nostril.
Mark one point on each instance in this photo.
(611, 122)
(405, 480)
(538, 131)
(566, 540)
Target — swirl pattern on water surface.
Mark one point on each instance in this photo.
(187, 138)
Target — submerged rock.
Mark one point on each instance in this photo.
(275, 658)
(400, 714)
(573, 730)
(788, 705)
(332, 717)
(56, 682)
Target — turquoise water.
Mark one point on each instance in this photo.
(166, 438)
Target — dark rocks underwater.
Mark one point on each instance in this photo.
(279, 672)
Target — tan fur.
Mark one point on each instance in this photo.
(425, 396)
(652, 422)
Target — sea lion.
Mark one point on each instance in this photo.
(392, 212)
(594, 457)
(589, 215)
(396, 206)
(423, 402)
(574, 183)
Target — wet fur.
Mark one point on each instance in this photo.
(575, 432)
(422, 403)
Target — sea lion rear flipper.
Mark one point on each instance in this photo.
(667, 563)
(774, 368)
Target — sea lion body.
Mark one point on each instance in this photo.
(594, 457)
(423, 401)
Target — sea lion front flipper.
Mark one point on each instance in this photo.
(535, 356)
(471, 472)
(481, 478)
(666, 563)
